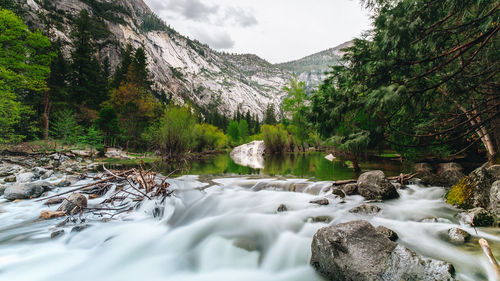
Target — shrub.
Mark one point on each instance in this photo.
(208, 137)
(65, 127)
(275, 137)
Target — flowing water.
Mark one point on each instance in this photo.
(222, 228)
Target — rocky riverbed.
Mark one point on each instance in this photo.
(220, 228)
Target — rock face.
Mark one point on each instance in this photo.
(26, 190)
(73, 204)
(250, 154)
(357, 251)
(476, 189)
(374, 185)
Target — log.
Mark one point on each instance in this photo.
(487, 252)
(85, 186)
(400, 178)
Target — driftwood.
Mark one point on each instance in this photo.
(487, 252)
(401, 179)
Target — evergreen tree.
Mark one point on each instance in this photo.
(122, 69)
(270, 115)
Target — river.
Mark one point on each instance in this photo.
(224, 226)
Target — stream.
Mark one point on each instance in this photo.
(223, 228)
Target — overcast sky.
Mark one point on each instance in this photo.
(276, 30)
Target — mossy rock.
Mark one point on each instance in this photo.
(460, 194)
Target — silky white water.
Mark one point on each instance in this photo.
(222, 229)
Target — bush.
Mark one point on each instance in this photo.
(233, 131)
(65, 127)
(174, 134)
(275, 137)
(208, 137)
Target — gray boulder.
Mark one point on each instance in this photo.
(73, 204)
(389, 233)
(322, 201)
(357, 251)
(365, 209)
(26, 177)
(2, 189)
(477, 217)
(10, 178)
(449, 174)
(458, 236)
(495, 198)
(350, 189)
(374, 185)
(8, 169)
(26, 190)
(425, 173)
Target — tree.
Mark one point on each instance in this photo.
(24, 67)
(94, 139)
(89, 83)
(276, 138)
(233, 131)
(295, 107)
(108, 124)
(270, 115)
(65, 127)
(243, 130)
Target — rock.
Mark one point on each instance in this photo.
(330, 157)
(282, 208)
(477, 217)
(249, 154)
(495, 198)
(425, 173)
(26, 190)
(113, 152)
(449, 174)
(458, 236)
(365, 209)
(494, 172)
(374, 185)
(322, 201)
(46, 215)
(350, 189)
(398, 185)
(73, 204)
(10, 178)
(429, 219)
(339, 193)
(82, 153)
(67, 181)
(39, 171)
(389, 233)
(473, 190)
(57, 234)
(80, 227)
(7, 170)
(26, 177)
(47, 174)
(2, 189)
(324, 219)
(357, 251)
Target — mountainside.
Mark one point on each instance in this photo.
(311, 69)
(184, 68)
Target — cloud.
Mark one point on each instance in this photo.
(216, 39)
(240, 17)
(192, 9)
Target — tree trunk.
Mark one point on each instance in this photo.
(46, 111)
(355, 163)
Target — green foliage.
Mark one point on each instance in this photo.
(94, 139)
(151, 22)
(108, 123)
(208, 137)
(65, 127)
(276, 138)
(173, 135)
(270, 115)
(24, 67)
(109, 11)
(233, 131)
(295, 106)
(243, 130)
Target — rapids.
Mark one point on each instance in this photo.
(223, 229)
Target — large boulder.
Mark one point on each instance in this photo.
(73, 204)
(357, 251)
(477, 217)
(26, 177)
(374, 185)
(250, 154)
(2, 189)
(474, 190)
(449, 174)
(26, 190)
(9, 169)
(425, 173)
(495, 198)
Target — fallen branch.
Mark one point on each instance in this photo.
(85, 186)
(487, 251)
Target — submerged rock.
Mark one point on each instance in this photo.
(282, 208)
(73, 204)
(350, 189)
(374, 185)
(2, 189)
(338, 192)
(46, 215)
(357, 251)
(322, 201)
(458, 236)
(57, 234)
(365, 209)
(26, 190)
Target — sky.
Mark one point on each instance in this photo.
(276, 30)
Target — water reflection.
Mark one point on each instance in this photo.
(301, 165)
